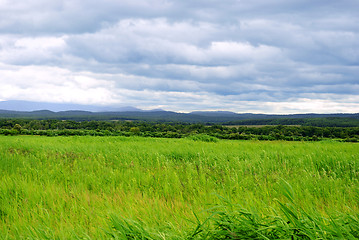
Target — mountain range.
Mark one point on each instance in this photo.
(38, 110)
(28, 106)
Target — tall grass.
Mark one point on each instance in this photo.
(231, 221)
(103, 187)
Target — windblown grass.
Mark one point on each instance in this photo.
(143, 188)
(231, 221)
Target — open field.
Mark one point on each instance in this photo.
(81, 187)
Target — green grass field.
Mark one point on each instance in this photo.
(107, 187)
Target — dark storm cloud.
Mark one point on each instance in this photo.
(169, 52)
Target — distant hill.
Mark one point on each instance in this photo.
(214, 113)
(226, 118)
(76, 112)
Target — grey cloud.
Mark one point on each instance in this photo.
(89, 15)
(72, 16)
(171, 53)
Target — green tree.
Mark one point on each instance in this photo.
(17, 127)
(135, 130)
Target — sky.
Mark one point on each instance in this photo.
(259, 56)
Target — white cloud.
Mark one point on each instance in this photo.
(55, 85)
(30, 50)
(261, 56)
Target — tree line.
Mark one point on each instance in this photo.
(174, 130)
(317, 122)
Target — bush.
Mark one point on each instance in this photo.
(203, 138)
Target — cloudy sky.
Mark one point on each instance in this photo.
(267, 56)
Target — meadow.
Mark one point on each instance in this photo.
(85, 187)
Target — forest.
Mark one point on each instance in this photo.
(204, 117)
(199, 131)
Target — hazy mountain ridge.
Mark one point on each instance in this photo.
(167, 116)
(159, 115)
(29, 106)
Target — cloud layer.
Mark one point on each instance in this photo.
(239, 55)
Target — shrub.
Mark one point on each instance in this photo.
(203, 138)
